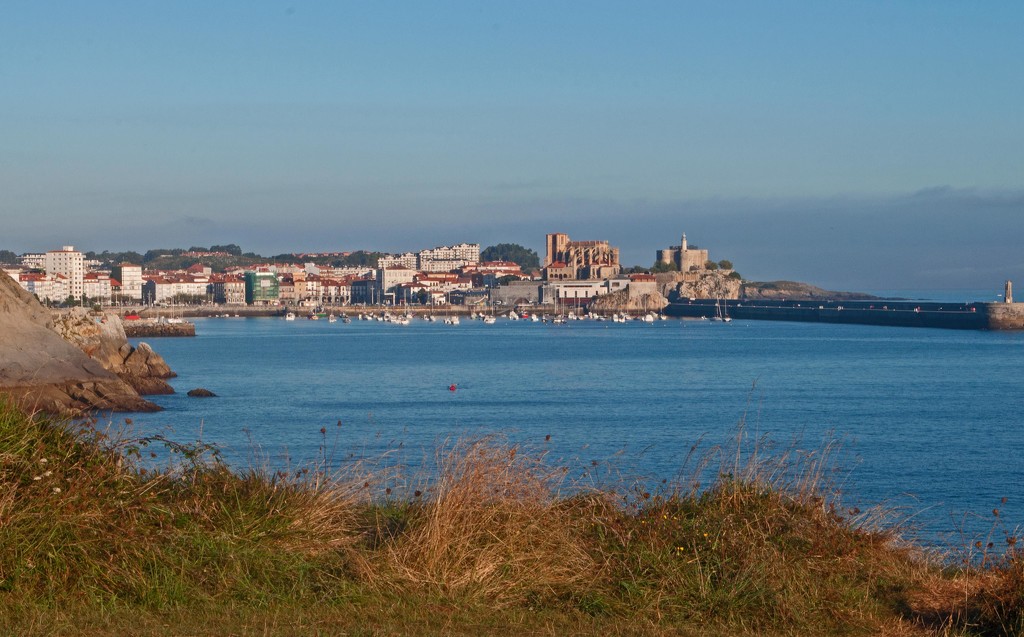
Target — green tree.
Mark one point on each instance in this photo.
(154, 254)
(661, 266)
(230, 248)
(710, 265)
(725, 264)
(735, 275)
(525, 257)
(8, 257)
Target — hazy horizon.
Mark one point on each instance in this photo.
(849, 145)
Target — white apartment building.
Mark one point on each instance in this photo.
(70, 264)
(130, 277)
(45, 287)
(33, 261)
(446, 258)
(164, 289)
(406, 260)
(96, 286)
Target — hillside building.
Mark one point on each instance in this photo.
(683, 258)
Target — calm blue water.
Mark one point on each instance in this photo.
(929, 420)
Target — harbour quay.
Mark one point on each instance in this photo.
(896, 313)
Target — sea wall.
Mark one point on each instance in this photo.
(1004, 316)
(147, 328)
(967, 316)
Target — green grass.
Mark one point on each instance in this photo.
(491, 541)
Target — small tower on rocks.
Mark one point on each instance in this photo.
(1008, 292)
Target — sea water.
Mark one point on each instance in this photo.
(928, 421)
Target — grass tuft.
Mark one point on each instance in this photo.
(490, 537)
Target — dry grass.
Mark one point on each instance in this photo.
(490, 539)
(490, 527)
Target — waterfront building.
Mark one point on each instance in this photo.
(571, 293)
(261, 288)
(388, 278)
(364, 291)
(70, 264)
(174, 288)
(97, 287)
(130, 276)
(516, 293)
(581, 260)
(228, 289)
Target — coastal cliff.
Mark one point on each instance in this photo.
(70, 364)
(709, 284)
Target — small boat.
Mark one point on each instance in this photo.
(489, 320)
(332, 318)
(290, 316)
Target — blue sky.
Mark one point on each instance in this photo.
(850, 144)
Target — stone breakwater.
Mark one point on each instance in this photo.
(969, 316)
(146, 328)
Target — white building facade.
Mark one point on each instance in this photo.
(70, 264)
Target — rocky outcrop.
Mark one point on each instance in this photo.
(796, 291)
(705, 285)
(199, 392)
(103, 339)
(41, 370)
(622, 302)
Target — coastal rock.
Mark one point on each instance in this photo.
(796, 291)
(706, 285)
(41, 370)
(103, 339)
(199, 392)
(621, 301)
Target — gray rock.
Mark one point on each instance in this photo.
(42, 370)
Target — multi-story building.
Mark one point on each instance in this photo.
(46, 288)
(130, 276)
(447, 258)
(388, 278)
(173, 288)
(579, 260)
(364, 291)
(70, 264)
(406, 260)
(261, 288)
(228, 289)
(96, 287)
(33, 261)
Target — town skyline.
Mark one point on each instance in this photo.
(858, 146)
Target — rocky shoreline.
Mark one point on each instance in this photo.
(73, 362)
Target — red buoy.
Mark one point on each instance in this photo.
(452, 387)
